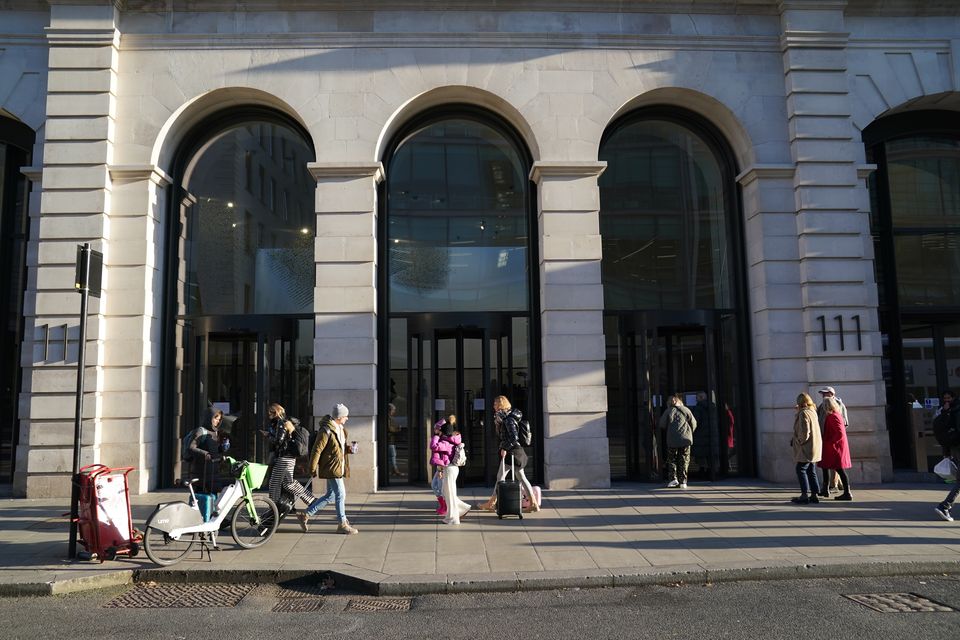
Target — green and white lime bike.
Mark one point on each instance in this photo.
(175, 527)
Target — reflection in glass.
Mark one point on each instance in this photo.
(457, 233)
(663, 220)
(248, 253)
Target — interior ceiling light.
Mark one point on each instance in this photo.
(229, 205)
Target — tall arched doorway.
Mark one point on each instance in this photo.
(16, 146)
(240, 277)
(457, 288)
(673, 279)
(915, 223)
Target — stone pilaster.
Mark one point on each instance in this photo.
(345, 304)
(576, 450)
(75, 200)
(836, 278)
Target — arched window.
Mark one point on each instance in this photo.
(673, 281)
(456, 228)
(915, 223)
(240, 278)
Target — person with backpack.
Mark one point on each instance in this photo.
(289, 442)
(946, 429)
(679, 424)
(202, 446)
(507, 421)
(329, 459)
(444, 446)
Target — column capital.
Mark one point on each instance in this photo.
(324, 170)
(566, 169)
(33, 174)
(137, 172)
(765, 171)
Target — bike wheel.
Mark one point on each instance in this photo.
(247, 533)
(164, 550)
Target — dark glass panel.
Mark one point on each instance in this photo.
(924, 176)
(663, 220)
(233, 269)
(457, 232)
(928, 268)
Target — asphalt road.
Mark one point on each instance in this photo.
(767, 610)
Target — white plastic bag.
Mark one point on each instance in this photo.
(946, 469)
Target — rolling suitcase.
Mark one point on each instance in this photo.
(508, 494)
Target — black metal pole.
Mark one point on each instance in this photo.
(78, 420)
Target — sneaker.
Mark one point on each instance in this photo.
(304, 521)
(800, 500)
(844, 496)
(314, 506)
(683, 485)
(814, 499)
(346, 529)
(672, 484)
(944, 513)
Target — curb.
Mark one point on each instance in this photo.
(379, 584)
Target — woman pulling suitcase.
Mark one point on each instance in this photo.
(507, 422)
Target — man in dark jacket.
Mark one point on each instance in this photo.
(679, 425)
(328, 459)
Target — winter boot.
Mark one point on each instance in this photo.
(442, 509)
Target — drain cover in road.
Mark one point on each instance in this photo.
(897, 602)
(298, 605)
(389, 605)
(185, 596)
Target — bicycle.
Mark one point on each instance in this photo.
(174, 527)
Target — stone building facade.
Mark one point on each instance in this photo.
(118, 93)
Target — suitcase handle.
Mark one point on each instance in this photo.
(503, 469)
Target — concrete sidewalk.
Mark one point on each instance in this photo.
(630, 534)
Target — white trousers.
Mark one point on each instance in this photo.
(455, 506)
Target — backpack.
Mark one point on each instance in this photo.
(525, 432)
(185, 454)
(458, 457)
(946, 428)
(303, 441)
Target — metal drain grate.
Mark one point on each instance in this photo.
(184, 596)
(389, 605)
(301, 591)
(298, 605)
(897, 602)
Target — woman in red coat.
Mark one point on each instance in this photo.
(836, 451)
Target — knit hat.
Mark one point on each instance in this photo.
(339, 411)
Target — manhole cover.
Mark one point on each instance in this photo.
(53, 524)
(186, 596)
(298, 605)
(301, 591)
(378, 604)
(897, 602)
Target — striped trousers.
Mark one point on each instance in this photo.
(281, 479)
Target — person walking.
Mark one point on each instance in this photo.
(288, 444)
(329, 460)
(443, 445)
(679, 424)
(831, 481)
(506, 420)
(836, 452)
(807, 449)
(436, 480)
(945, 428)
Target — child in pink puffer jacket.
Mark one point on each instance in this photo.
(445, 439)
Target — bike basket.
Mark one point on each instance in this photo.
(256, 474)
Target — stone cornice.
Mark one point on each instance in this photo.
(812, 5)
(82, 37)
(324, 170)
(340, 40)
(814, 40)
(138, 172)
(766, 172)
(565, 169)
(33, 174)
